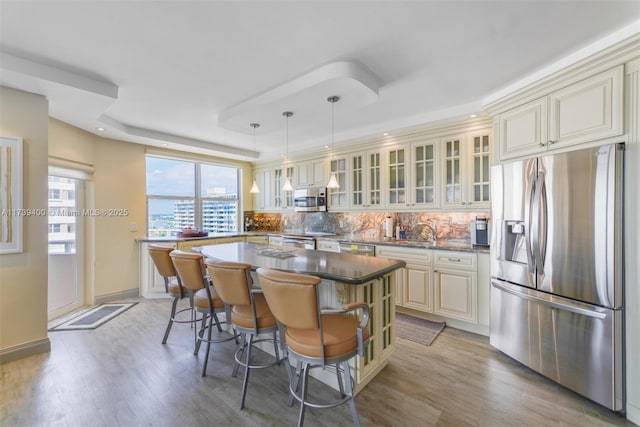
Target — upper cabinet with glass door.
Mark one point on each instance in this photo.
(465, 160)
(397, 169)
(478, 195)
(424, 174)
(365, 172)
(338, 196)
(281, 199)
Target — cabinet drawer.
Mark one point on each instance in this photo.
(328, 245)
(422, 256)
(464, 260)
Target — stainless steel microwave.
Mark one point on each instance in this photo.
(313, 199)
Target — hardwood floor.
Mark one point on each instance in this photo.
(120, 375)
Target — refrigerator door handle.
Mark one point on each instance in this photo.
(540, 220)
(548, 301)
(529, 201)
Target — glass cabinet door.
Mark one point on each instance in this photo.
(452, 168)
(288, 195)
(374, 190)
(338, 196)
(278, 182)
(481, 164)
(424, 173)
(397, 193)
(357, 181)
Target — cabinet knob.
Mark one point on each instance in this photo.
(542, 144)
(435, 271)
(551, 142)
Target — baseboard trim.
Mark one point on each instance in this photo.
(25, 350)
(117, 296)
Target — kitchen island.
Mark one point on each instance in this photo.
(346, 278)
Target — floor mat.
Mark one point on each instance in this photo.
(94, 317)
(418, 330)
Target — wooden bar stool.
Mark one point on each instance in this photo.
(315, 337)
(191, 270)
(172, 286)
(250, 314)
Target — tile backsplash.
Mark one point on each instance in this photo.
(417, 225)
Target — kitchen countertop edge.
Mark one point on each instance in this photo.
(440, 245)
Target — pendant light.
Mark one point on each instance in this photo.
(254, 187)
(287, 183)
(333, 181)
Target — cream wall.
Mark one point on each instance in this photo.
(118, 182)
(23, 276)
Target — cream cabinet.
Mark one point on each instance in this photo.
(466, 162)
(455, 285)
(311, 173)
(397, 177)
(424, 174)
(259, 238)
(338, 197)
(327, 245)
(281, 200)
(413, 282)
(586, 111)
(365, 179)
(262, 200)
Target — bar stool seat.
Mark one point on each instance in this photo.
(242, 315)
(191, 270)
(173, 286)
(340, 337)
(316, 338)
(250, 315)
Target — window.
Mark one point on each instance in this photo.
(54, 194)
(54, 228)
(183, 193)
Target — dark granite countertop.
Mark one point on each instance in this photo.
(341, 267)
(447, 245)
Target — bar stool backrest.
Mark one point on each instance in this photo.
(190, 269)
(160, 257)
(292, 297)
(231, 281)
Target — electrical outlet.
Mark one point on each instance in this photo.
(133, 227)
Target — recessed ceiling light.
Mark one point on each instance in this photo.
(326, 146)
(165, 144)
(100, 129)
(385, 134)
(473, 115)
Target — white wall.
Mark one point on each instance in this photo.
(632, 239)
(23, 276)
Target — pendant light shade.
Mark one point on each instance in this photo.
(254, 187)
(287, 182)
(287, 185)
(333, 181)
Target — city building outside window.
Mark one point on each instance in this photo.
(183, 194)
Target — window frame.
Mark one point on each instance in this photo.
(198, 199)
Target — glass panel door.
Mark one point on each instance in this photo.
(66, 261)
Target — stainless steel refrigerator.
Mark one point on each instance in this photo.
(556, 267)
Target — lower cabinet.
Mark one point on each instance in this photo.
(413, 283)
(442, 283)
(455, 285)
(263, 238)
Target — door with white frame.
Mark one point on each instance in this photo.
(66, 245)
